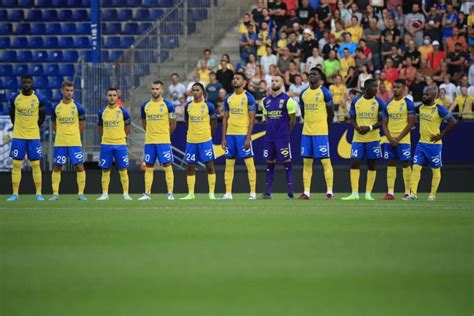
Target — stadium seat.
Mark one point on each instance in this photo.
(169, 42)
(55, 56)
(56, 95)
(26, 3)
(6, 70)
(66, 69)
(20, 42)
(76, 3)
(66, 42)
(156, 14)
(43, 3)
(150, 3)
(105, 56)
(25, 56)
(131, 28)
(112, 42)
(21, 69)
(6, 28)
(35, 15)
(112, 28)
(40, 82)
(109, 14)
(199, 3)
(51, 42)
(143, 27)
(46, 93)
(16, 15)
(57, 3)
(3, 15)
(115, 55)
(9, 3)
(53, 28)
(87, 55)
(142, 15)
(84, 28)
(80, 15)
(55, 82)
(65, 15)
(198, 14)
(70, 56)
(38, 28)
(125, 15)
(35, 42)
(22, 29)
(8, 56)
(69, 28)
(165, 3)
(50, 15)
(37, 70)
(171, 28)
(85, 3)
(5, 42)
(10, 82)
(40, 55)
(126, 41)
(82, 42)
(51, 70)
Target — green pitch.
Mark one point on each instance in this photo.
(237, 257)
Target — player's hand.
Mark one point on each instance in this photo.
(247, 143)
(364, 129)
(224, 143)
(394, 142)
(435, 138)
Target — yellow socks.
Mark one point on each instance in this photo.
(105, 181)
(229, 174)
(81, 181)
(328, 174)
(407, 178)
(191, 182)
(148, 179)
(308, 174)
(211, 179)
(391, 176)
(370, 181)
(124, 179)
(252, 174)
(35, 165)
(355, 175)
(415, 179)
(169, 178)
(435, 180)
(55, 180)
(16, 176)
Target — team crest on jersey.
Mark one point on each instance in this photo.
(280, 105)
(242, 102)
(32, 104)
(268, 101)
(117, 115)
(433, 110)
(372, 106)
(73, 112)
(401, 107)
(161, 109)
(203, 108)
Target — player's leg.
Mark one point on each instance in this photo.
(206, 155)
(191, 159)
(17, 153)
(149, 157)
(404, 154)
(56, 174)
(76, 156)
(34, 155)
(357, 154)
(247, 155)
(373, 152)
(418, 161)
(230, 154)
(284, 154)
(121, 161)
(321, 151)
(106, 157)
(211, 179)
(436, 164)
(165, 156)
(307, 154)
(389, 155)
(269, 154)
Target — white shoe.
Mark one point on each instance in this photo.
(128, 197)
(253, 196)
(170, 197)
(144, 197)
(227, 196)
(103, 197)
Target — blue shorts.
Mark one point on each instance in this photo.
(75, 154)
(235, 147)
(162, 152)
(203, 152)
(279, 150)
(370, 150)
(315, 146)
(402, 152)
(111, 153)
(428, 154)
(20, 147)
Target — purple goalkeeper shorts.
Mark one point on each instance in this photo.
(279, 150)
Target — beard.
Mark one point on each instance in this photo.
(275, 88)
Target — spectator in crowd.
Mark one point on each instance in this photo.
(338, 92)
(313, 61)
(332, 45)
(336, 20)
(204, 72)
(346, 62)
(196, 79)
(257, 13)
(430, 83)
(408, 71)
(464, 82)
(351, 79)
(362, 59)
(343, 112)
(307, 46)
(399, 18)
(119, 99)
(278, 11)
(246, 24)
(229, 64)
(383, 22)
(268, 59)
(470, 26)
(323, 12)
(323, 38)
(331, 67)
(369, 14)
(456, 62)
(349, 44)
(463, 104)
(292, 19)
(355, 29)
(383, 80)
(455, 39)
(354, 11)
(364, 75)
(372, 35)
(225, 75)
(387, 47)
(413, 53)
(295, 91)
(273, 71)
(263, 40)
(449, 87)
(391, 29)
(291, 73)
(424, 69)
(450, 20)
(207, 58)
(383, 93)
(443, 99)
(271, 26)
(304, 12)
(254, 81)
(294, 46)
(426, 48)
(176, 91)
(345, 13)
(282, 42)
(440, 73)
(284, 61)
(261, 91)
(416, 89)
(390, 71)
(414, 24)
(213, 88)
(220, 105)
(247, 44)
(250, 67)
(433, 24)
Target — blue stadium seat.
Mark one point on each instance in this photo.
(112, 42)
(112, 28)
(125, 15)
(150, 3)
(156, 14)
(40, 82)
(65, 15)
(169, 42)
(198, 14)
(55, 82)
(35, 15)
(66, 42)
(10, 82)
(35, 42)
(57, 3)
(43, 3)
(69, 28)
(51, 42)
(131, 28)
(82, 42)
(85, 3)
(3, 15)
(46, 93)
(76, 3)
(16, 15)
(84, 28)
(87, 55)
(53, 28)
(6, 28)
(126, 41)
(8, 56)
(26, 3)
(127, 3)
(165, 3)
(38, 28)
(9, 3)
(6, 70)
(66, 69)
(105, 56)
(37, 70)
(50, 15)
(142, 15)
(55, 56)
(24, 56)
(5, 42)
(171, 28)
(80, 15)
(21, 69)
(115, 55)
(56, 95)
(143, 27)
(22, 29)
(199, 3)
(191, 27)
(109, 14)
(40, 55)
(20, 42)
(70, 56)
(51, 70)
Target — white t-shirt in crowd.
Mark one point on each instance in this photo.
(176, 93)
(450, 90)
(266, 61)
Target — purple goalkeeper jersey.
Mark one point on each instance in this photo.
(277, 110)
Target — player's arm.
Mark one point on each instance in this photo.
(53, 118)
(171, 116)
(291, 108)
(302, 103)
(143, 115)
(451, 123)
(42, 111)
(127, 121)
(225, 120)
(100, 123)
(385, 126)
(81, 116)
(264, 111)
(353, 117)
(329, 105)
(212, 117)
(252, 107)
(379, 115)
(11, 110)
(411, 118)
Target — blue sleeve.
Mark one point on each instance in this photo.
(252, 107)
(99, 117)
(212, 110)
(43, 103)
(169, 105)
(352, 112)
(411, 109)
(301, 98)
(53, 112)
(142, 109)
(327, 97)
(226, 103)
(381, 107)
(445, 114)
(385, 111)
(80, 111)
(186, 115)
(126, 116)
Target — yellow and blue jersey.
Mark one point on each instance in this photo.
(366, 112)
(239, 106)
(198, 115)
(27, 113)
(397, 113)
(431, 118)
(67, 117)
(314, 104)
(113, 122)
(157, 115)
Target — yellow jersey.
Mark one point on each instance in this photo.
(465, 105)
(356, 32)
(239, 106)
(431, 117)
(338, 93)
(157, 115)
(27, 114)
(345, 64)
(397, 113)
(314, 104)
(199, 116)
(366, 112)
(67, 117)
(113, 122)
(444, 102)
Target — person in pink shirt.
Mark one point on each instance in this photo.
(391, 72)
(436, 57)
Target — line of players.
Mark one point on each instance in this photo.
(368, 115)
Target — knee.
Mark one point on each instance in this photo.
(79, 167)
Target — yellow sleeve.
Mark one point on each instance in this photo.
(291, 106)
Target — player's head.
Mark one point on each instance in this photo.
(315, 76)
(429, 95)
(67, 90)
(156, 89)
(239, 80)
(26, 83)
(398, 88)
(112, 96)
(198, 91)
(370, 86)
(277, 82)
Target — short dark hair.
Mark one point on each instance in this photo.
(158, 82)
(320, 72)
(400, 81)
(369, 82)
(111, 89)
(241, 74)
(67, 83)
(207, 50)
(200, 85)
(174, 74)
(27, 77)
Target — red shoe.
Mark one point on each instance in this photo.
(303, 197)
(405, 195)
(389, 196)
(329, 197)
